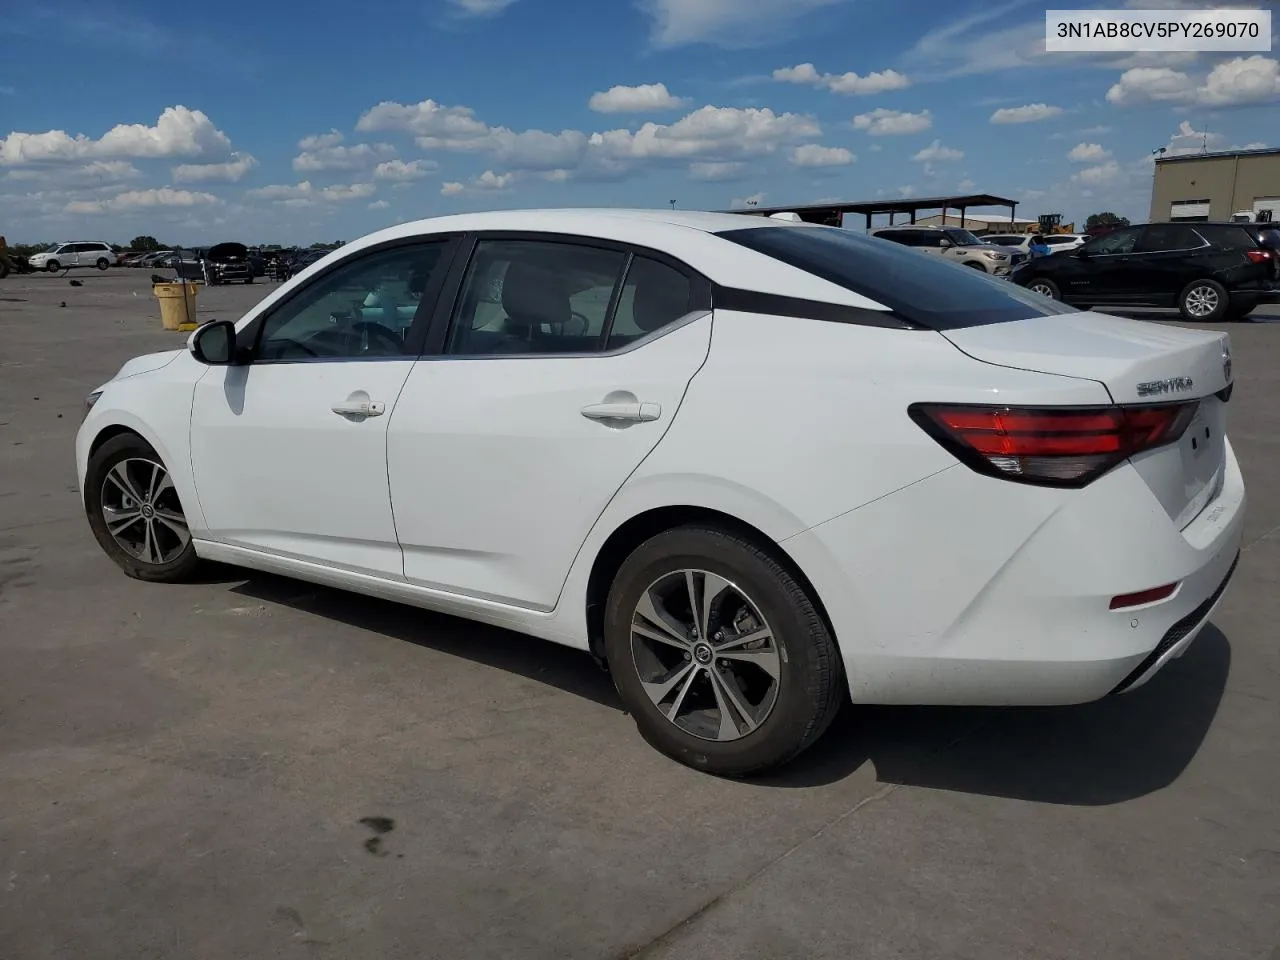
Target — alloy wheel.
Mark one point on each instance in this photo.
(1201, 301)
(705, 655)
(1043, 289)
(142, 513)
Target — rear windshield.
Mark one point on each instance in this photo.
(928, 291)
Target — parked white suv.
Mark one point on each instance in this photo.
(954, 243)
(62, 256)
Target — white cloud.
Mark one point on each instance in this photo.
(1094, 131)
(815, 155)
(965, 185)
(379, 205)
(887, 123)
(178, 132)
(1088, 153)
(713, 172)
(646, 98)
(400, 171)
(480, 8)
(97, 172)
(281, 191)
(1031, 113)
(1244, 80)
(230, 172)
(1100, 175)
(845, 83)
(141, 200)
(340, 192)
(319, 141)
(752, 201)
(452, 188)
(710, 133)
(726, 23)
(358, 156)
(487, 182)
(937, 152)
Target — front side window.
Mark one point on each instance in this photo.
(1118, 241)
(360, 309)
(535, 297)
(962, 238)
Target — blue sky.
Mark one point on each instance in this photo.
(284, 123)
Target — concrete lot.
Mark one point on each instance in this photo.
(184, 771)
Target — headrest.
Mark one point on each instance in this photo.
(657, 304)
(533, 295)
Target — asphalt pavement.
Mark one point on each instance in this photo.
(254, 767)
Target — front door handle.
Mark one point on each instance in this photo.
(359, 408)
(635, 412)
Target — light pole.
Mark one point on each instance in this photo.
(673, 204)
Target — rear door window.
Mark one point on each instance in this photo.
(1118, 241)
(1167, 238)
(653, 296)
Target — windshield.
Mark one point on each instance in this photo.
(53, 248)
(930, 291)
(962, 238)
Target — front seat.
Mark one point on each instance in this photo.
(531, 296)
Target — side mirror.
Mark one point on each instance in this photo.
(214, 343)
(945, 244)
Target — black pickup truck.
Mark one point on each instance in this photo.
(221, 263)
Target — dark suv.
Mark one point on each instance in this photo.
(1209, 271)
(221, 263)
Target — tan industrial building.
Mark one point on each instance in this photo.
(1213, 186)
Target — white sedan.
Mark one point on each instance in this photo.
(756, 468)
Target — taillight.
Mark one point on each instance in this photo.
(1258, 256)
(1050, 446)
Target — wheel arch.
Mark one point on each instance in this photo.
(649, 523)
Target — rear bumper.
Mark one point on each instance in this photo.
(962, 589)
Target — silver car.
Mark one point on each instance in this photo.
(954, 243)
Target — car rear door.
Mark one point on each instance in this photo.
(1102, 269)
(562, 365)
(1162, 258)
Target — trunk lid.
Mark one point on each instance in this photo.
(1139, 363)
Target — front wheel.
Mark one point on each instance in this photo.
(249, 280)
(718, 653)
(103, 263)
(1203, 301)
(135, 513)
(975, 265)
(1045, 287)
(53, 266)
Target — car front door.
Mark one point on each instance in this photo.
(564, 364)
(289, 449)
(72, 257)
(1101, 271)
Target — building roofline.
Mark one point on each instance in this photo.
(1213, 154)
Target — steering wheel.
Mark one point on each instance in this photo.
(566, 328)
(370, 332)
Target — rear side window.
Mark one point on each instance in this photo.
(653, 295)
(1235, 238)
(1167, 237)
(929, 291)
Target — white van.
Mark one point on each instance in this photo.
(63, 256)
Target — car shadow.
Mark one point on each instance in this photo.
(1110, 751)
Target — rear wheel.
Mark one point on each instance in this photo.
(1203, 301)
(135, 513)
(103, 263)
(53, 266)
(718, 653)
(1045, 287)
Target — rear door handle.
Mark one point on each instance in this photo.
(359, 408)
(635, 412)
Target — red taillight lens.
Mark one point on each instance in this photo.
(1052, 446)
(1258, 256)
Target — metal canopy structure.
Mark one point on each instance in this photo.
(832, 214)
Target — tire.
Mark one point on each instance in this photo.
(249, 280)
(53, 266)
(1203, 301)
(121, 479)
(103, 263)
(1045, 287)
(783, 715)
